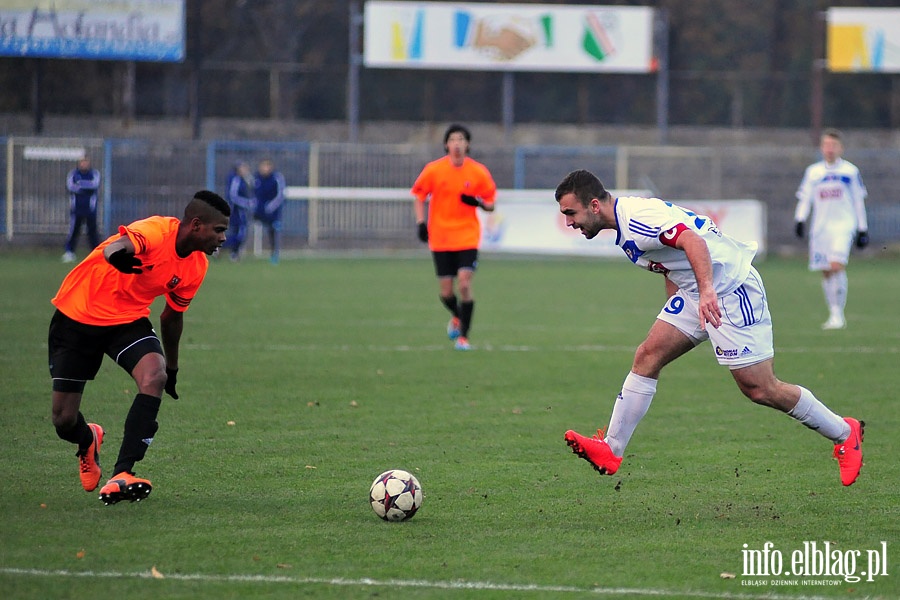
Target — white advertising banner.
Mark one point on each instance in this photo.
(864, 40)
(146, 30)
(529, 222)
(508, 37)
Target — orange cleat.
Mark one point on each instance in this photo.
(849, 452)
(462, 343)
(125, 486)
(594, 450)
(89, 460)
(453, 328)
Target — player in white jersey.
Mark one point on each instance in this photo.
(834, 191)
(715, 294)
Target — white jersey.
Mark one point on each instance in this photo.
(836, 196)
(647, 228)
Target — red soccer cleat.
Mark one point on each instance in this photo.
(849, 452)
(594, 450)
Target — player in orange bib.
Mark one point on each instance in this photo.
(454, 186)
(103, 307)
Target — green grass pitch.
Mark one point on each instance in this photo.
(301, 382)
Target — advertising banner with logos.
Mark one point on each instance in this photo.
(864, 40)
(508, 37)
(142, 30)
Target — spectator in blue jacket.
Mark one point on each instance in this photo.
(269, 188)
(82, 183)
(240, 194)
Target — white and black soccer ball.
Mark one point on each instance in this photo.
(395, 495)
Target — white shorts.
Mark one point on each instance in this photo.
(745, 336)
(829, 247)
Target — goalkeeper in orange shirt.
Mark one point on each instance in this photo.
(103, 307)
(454, 187)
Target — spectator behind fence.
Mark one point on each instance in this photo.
(82, 183)
(240, 194)
(269, 189)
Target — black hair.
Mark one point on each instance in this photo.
(584, 184)
(212, 200)
(457, 128)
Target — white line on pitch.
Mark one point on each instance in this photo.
(408, 583)
(528, 348)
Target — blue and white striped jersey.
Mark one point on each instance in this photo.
(645, 225)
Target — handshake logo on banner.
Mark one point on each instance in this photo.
(521, 37)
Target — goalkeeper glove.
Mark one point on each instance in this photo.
(862, 239)
(799, 228)
(471, 200)
(423, 232)
(124, 262)
(171, 380)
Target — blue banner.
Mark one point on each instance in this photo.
(143, 30)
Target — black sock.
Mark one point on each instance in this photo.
(451, 304)
(465, 317)
(140, 427)
(79, 433)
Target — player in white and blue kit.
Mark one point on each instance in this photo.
(714, 293)
(833, 190)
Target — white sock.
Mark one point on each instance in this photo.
(630, 408)
(828, 288)
(840, 291)
(815, 415)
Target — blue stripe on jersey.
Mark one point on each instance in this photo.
(632, 251)
(746, 306)
(642, 229)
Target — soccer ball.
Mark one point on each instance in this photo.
(395, 495)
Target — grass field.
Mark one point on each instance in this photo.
(300, 383)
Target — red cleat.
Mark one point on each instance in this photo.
(594, 450)
(849, 452)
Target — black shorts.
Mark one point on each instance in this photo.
(449, 263)
(76, 350)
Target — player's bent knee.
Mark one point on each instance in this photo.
(63, 421)
(151, 381)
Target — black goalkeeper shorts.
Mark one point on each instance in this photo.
(449, 263)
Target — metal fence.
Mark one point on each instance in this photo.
(144, 177)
